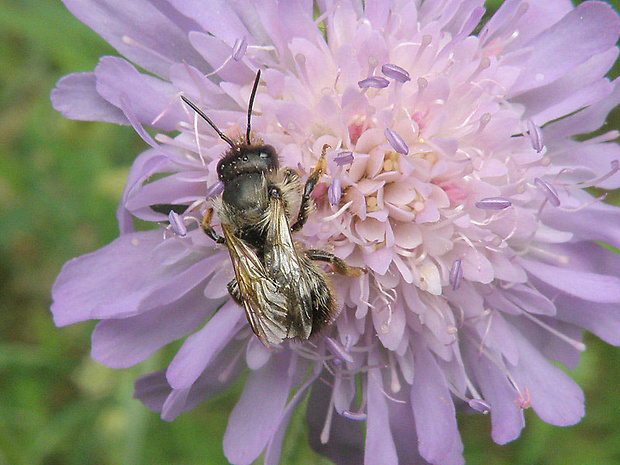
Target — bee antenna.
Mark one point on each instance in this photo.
(211, 123)
(250, 105)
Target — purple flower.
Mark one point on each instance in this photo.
(477, 235)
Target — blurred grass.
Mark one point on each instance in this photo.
(60, 182)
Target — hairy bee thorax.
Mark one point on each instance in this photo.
(245, 203)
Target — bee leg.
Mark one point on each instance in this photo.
(208, 230)
(306, 204)
(338, 265)
(233, 290)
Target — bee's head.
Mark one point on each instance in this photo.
(245, 159)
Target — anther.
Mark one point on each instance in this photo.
(524, 399)
(376, 82)
(338, 350)
(334, 192)
(214, 190)
(484, 120)
(548, 191)
(239, 49)
(356, 416)
(396, 141)
(536, 136)
(344, 158)
(493, 203)
(395, 72)
(177, 224)
(480, 406)
(456, 274)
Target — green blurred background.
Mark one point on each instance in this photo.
(60, 182)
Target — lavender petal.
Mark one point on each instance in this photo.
(76, 97)
(251, 424)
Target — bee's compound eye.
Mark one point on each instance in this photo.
(265, 155)
(245, 158)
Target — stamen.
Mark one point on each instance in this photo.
(328, 419)
(580, 346)
(334, 192)
(497, 362)
(493, 203)
(214, 190)
(476, 402)
(344, 158)
(484, 120)
(536, 136)
(559, 259)
(393, 399)
(339, 212)
(133, 43)
(338, 350)
(480, 406)
(548, 191)
(394, 382)
(426, 41)
(127, 109)
(506, 32)
(172, 101)
(456, 274)
(395, 72)
(197, 134)
(376, 82)
(177, 224)
(524, 399)
(422, 84)
(615, 167)
(487, 328)
(228, 369)
(300, 59)
(585, 205)
(396, 141)
(356, 416)
(372, 64)
(239, 49)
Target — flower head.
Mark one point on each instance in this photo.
(452, 177)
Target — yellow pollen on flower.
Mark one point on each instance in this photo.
(391, 162)
(431, 157)
(371, 203)
(418, 206)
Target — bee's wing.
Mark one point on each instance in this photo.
(265, 306)
(285, 266)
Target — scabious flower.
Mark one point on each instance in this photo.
(453, 176)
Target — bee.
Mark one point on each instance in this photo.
(285, 295)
